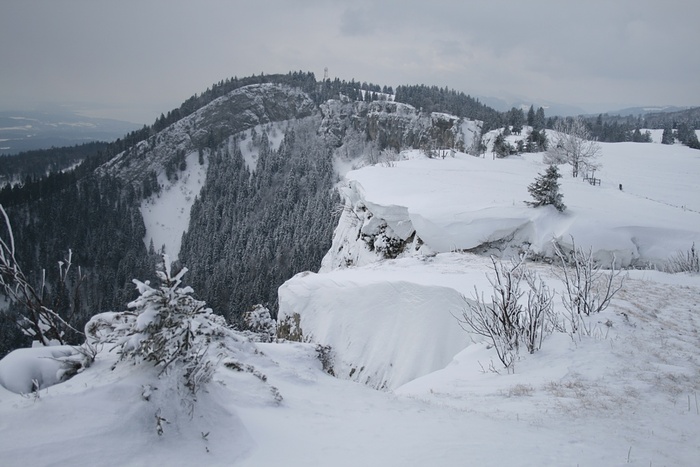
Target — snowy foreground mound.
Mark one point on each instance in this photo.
(387, 323)
(627, 394)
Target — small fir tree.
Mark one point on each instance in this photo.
(545, 189)
(166, 326)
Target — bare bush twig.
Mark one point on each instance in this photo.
(684, 261)
(505, 321)
(587, 289)
(39, 321)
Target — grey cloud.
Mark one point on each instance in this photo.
(357, 22)
(153, 54)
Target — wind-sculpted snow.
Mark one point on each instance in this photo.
(25, 370)
(362, 301)
(476, 204)
(386, 325)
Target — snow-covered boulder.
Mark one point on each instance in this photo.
(25, 370)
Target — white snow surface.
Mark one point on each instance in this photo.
(167, 214)
(23, 370)
(465, 202)
(408, 310)
(627, 395)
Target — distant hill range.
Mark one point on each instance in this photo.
(647, 110)
(28, 130)
(550, 107)
(651, 117)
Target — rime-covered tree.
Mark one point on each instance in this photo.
(516, 118)
(545, 190)
(686, 135)
(539, 122)
(536, 141)
(573, 144)
(501, 147)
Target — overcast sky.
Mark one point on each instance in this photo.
(133, 59)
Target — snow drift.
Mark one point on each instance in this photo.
(385, 328)
(390, 320)
(476, 204)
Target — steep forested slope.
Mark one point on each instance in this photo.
(271, 146)
(250, 231)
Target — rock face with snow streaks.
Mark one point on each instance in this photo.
(396, 125)
(238, 111)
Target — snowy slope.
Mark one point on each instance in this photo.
(166, 214)
(250, 152)
(464, 203)
(626, 395)
(588, 402)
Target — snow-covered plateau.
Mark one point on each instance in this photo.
(410, 386)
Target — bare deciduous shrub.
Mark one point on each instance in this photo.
(519, 390)
(538, 314)
(687, 261)
(289, 328)
(505, 320)
(587, 288)
(573, 144)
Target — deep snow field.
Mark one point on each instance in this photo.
(626, 395)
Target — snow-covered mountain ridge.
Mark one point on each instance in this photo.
(166, 163)
(208, 127)
(383, 311)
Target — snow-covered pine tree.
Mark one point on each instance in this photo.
(166, 326)
(260, 324)
(545, 189)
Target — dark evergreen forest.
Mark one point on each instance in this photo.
(33, 165)
(249, 232)
(678, 126)
(98, 219)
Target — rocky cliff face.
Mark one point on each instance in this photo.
(238, 111)
(368, 232)
(377, 125)
(395, 125)
(356, 132)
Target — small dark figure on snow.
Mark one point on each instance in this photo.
(620, 186)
